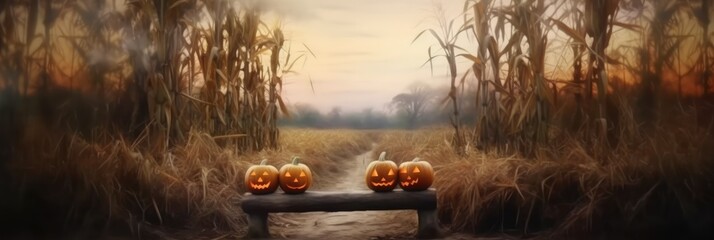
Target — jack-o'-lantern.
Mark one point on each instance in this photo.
(295, 177)
(381, 175)
(261, 179)
(415, 175)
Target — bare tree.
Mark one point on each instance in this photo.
(413, 102)
(334, 117)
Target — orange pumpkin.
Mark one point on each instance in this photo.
(261, 179)
(381, 175)
(416, 175)
(295, 177)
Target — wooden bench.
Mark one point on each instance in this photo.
(258, 206)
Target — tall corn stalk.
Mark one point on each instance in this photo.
(656, 52)
(662, 44)
(599, 19)
(276, 85)
(14, 63)
(164, 23)
(525, 94)
(488, 130)
(211, 50)
(181, 74)
(579, 49)
(137, 40)
(241, 96)
(99, 57)
(447, 42)
(32, 19)
(13, 68)
(703, 16)
(253, 115)
(37, 65)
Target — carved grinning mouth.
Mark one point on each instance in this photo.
(260, 186)
(407, 183)
(298, 187)
(382, 184)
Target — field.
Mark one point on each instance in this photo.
(94, 189)
(651, 189)
(89, 188)
(555, 119)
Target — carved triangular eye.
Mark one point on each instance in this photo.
(287, 174)
(391, 172)
(265, 173)
(403, 170)
(252, 174)
(416, 170)
(374, 173)
(302, 174)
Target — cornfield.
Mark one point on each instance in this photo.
(519, 73)
(177, 65)
(142, 115)
(134, 113)
(567, 191)
(578, 131)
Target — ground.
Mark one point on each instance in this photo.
(398, 224)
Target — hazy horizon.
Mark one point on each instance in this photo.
(364, 54)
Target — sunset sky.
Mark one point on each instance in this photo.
(364, 54)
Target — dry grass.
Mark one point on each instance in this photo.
(320, 148)
(114, 184)
(656, 184)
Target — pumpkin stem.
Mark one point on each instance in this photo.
(382, 156)
(416, 159)
(264, 162)
(296, 160)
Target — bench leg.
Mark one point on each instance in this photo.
(258, 225)
(428, 224)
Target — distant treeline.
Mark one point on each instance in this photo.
(393, 116)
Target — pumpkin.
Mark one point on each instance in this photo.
(416, 175)
(261, 179)
(381, 174)
(295, 177)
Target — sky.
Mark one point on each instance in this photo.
(363, 49)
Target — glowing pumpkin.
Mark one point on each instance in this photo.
(261, 179)
(381, 175)
(416, 175)
(295, 177)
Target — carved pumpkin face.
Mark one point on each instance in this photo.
(261, 179)
(381, 175)
(416, 175)
(295, 177)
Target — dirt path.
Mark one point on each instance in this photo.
(398, 224)
(347, 225)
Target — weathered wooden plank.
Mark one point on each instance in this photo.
(258, 206)
(339, 201)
